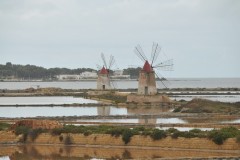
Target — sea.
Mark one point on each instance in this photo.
(129, 84)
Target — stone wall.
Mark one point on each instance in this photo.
(140, 141)
(148, 98)
(104, 139)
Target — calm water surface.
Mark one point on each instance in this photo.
(173, 83)
(44, 100)
(221, 98)
(145, 121)
(35, 111)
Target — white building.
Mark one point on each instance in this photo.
(68, 77)
(88, 75)
(118, 74)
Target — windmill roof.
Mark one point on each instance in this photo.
(147, 67)
(103, 70)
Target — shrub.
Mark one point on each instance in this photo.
(4, 126)
(146, 133)
(116, 131)
(61, 138)
(22, 130)
(68, 140)
(195, 131)
(87, 133)
(157, 134)
(126, 136)
(219, 136)
(178, 109)
(34, 133)
(56, 131)
(172, 130)
(176, 134)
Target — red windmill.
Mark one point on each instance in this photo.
(103, 81)
(147, 81)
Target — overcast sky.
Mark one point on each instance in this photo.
(202, 36)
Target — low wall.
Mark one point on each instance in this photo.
(144, 141)
(137, 140)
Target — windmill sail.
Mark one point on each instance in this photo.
(139, 52)
(104, 79)
(147, 76)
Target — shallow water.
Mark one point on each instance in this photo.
(135, 120)
(220, 98)
(47, 111)
(14, 112)
(44, 100)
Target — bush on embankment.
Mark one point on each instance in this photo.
(4, 126)
(217, 136)
(208, 106)
(28, 132)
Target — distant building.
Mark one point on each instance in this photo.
(88, 75)
(68, 77)
(118, 74)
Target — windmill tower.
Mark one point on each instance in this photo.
(103, 81)
(147, 80)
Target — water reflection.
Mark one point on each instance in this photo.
(150, 111)
(220, 98)
(28, 152)
(135, 120)
(14, 112)
(44, 100)
(45, 111)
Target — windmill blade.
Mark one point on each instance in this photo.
(163, 80)
(111, 62)
(139, 52)
(155, 52)
(112, 83)
(165, 65)
(104, 60)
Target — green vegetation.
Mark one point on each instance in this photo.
(207, 106)
(10, 70)
(22, 130)
(133, 72)
(35, 72)
(33, 133)
(28, 132)
(126, 136)
(217, 136)
(68, 140)
(4, 126)
(158, 134)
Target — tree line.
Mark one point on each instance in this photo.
(17, 71)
